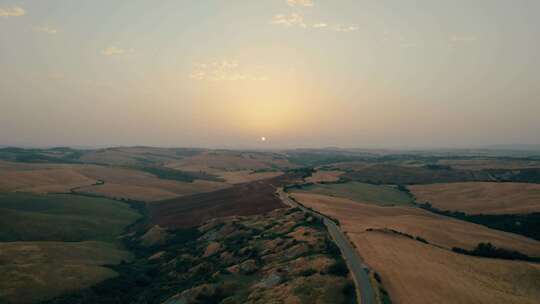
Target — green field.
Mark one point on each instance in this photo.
(62, 217)
(361, 192)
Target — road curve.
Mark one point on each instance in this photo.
(354, 262)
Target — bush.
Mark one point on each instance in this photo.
(308, 272)
(421, 239)
(488, 250)
(339, 268)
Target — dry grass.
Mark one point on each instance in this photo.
(324, 176)
(356, 165)
(129, 156)
(35, 271)
(246, 176)
(220, 161)
(481, 164)
(486, 198)
(442, 231)
(382, 195)
(150, 192)
(119, 182)
(40, 178)
(414, 272)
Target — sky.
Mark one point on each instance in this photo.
(300, 73)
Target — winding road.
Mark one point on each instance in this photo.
(354, 262)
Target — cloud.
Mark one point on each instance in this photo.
(305, 3)
(115, 51)
(224, 71)
(319, 25)
(345, 28)
(296, 19)
(289, 20)
(14, 11)
(45, 29)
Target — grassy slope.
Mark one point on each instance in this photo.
(53, 244)
(27, 217)
(32, 271)
(287, 245)
(379, 195)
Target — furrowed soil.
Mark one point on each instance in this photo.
(242, 199)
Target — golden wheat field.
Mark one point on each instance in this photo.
(138, 185)
(41, 178)
(358, 217)
(117, 182)
(480, 197)
(414, 272)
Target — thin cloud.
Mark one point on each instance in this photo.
(45, 29)
(345, 28)
(296, 19)
(226, 70)
(14, 11)
(320, 25)
(305, 3)
(293, 19)
(114, 51)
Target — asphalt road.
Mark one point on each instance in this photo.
(354, 262)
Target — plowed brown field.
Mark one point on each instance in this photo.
(242, 199)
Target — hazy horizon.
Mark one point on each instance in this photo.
(300, 73)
